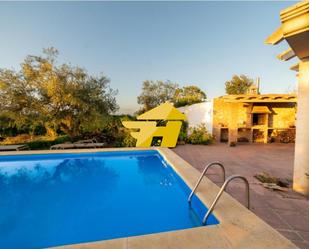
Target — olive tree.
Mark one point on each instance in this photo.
(58, 97)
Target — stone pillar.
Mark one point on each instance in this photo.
(301, 163)
(266, 128)
(233, 124)
(249, 121)
(295, 30)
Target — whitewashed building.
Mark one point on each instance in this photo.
(198, 114)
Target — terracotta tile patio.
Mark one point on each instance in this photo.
(287, 212)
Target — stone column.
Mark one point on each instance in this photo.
(233, 124)
(266, 129)
(295, 30)
(301, 163)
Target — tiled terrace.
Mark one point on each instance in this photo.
(287, 212)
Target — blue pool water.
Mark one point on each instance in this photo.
(57, 199)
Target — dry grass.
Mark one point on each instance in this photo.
(266, 178)
(25, 138)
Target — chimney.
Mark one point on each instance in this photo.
(257, 85)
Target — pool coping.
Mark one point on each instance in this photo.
(238, 227)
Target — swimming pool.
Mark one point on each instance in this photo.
(57, 199)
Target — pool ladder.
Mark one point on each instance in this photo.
(223, 187)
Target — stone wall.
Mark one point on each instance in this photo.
(284, 115)
(237, 117)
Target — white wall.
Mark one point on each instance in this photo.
(198, 114)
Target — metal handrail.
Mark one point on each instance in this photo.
(201, 177)
(221, 191)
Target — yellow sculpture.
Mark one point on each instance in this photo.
(148, 128)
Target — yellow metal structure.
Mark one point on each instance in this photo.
(148, 129)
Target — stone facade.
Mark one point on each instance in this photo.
(254, 118)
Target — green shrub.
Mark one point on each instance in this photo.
(45, 144)
(124, 139)
(183, 133)
(199, 135)
(113, 131)
(129, 141)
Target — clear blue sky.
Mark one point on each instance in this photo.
(200, 43)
